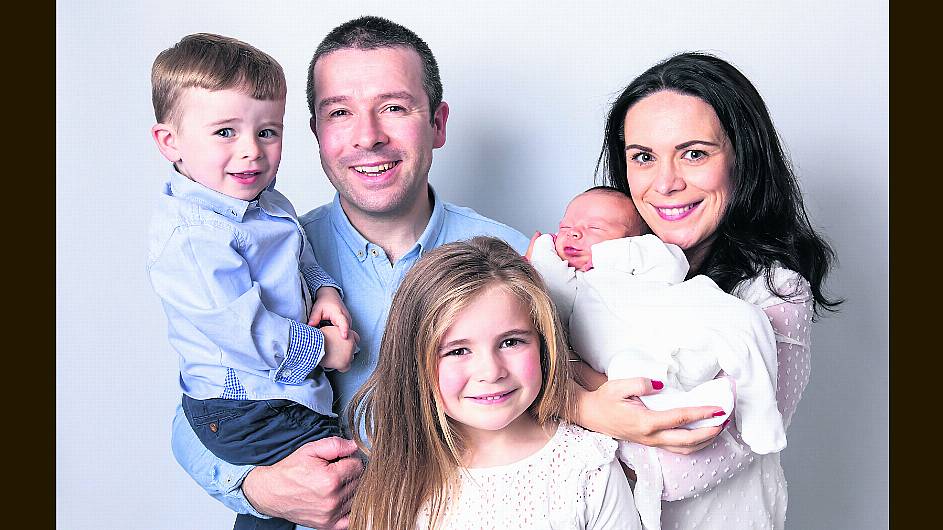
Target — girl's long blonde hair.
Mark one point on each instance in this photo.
(414, 450)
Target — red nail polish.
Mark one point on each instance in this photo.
(719, 413)
(724, 425)
(657, 385)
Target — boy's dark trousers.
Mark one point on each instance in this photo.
(244, 432)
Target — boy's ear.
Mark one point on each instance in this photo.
(165, 137)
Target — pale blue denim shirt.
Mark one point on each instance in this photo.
(369, 281)
(236, 279)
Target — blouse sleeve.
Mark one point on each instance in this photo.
(689, 475)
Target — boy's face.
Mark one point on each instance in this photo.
(591, 218)
(225, 140)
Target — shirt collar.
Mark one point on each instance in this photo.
(358, 245)
(184, 188)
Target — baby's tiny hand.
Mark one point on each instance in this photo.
(329, 306)
(530, 247)
(338, 351)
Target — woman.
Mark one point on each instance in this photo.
(692, 143)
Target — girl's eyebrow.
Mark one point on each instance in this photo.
(518, 332)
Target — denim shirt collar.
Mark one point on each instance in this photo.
(231, 207)
(359, 245)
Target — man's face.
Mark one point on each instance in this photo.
(372, 121)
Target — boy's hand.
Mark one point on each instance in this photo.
(329, 306)
(338, 351)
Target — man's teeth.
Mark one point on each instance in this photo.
(375, 169)
(675, 211)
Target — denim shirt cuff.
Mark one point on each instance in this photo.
(305, 350)
(237, 499)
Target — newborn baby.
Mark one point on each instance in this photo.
(631, 313)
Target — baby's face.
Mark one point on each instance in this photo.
(591, 218)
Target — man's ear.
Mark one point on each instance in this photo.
(165, 136)
(313, 123)
(438, 124)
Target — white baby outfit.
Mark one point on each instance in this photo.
(633, 315)
(573, 482)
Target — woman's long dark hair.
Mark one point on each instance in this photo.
(765, 221)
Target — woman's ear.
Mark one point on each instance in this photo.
(165, 136)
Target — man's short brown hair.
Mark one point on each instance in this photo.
(212, 62)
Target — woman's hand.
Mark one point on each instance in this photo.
(614, 409)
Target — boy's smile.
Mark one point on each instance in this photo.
(225, 140)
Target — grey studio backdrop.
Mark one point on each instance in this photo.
(528, 85)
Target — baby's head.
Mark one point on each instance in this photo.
(598, 214)
(219, 104)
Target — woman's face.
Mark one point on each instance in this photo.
(678, 164)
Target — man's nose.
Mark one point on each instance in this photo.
(369, 133)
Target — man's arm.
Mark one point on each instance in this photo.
(312, 486)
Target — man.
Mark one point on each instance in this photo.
(375, 98)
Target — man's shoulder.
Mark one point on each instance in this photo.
(316, 216)
(462, 222)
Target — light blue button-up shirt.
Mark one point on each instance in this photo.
(369, 281)
(236, 279)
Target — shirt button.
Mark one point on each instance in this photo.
(214, 427)
(374, 252)
(359, 253)
(286, 373)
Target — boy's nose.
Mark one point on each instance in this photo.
(251, 149)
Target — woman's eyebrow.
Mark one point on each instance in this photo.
(639, 147)
(687, 144)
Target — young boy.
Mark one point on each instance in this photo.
(631, 313)
(237, 278)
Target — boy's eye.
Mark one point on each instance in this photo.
(228, 132)
(268, 133)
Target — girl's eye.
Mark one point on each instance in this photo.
(225, 133)
(457, 351)
(510, 343)
(268, 133)
(694, 155)
(642, 157)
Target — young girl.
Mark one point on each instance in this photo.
(464, 409)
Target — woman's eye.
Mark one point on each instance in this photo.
(225, 133)
(642, 157)
(694, 155)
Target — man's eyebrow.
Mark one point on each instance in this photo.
(397, 95)
(331, 100)
(687, 144)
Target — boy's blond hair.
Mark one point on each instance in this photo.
(212, 62)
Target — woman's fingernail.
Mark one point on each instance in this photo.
(657, 385)
(719, 413)
(724, 425)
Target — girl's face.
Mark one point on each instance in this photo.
(489, 364)
(678, 164)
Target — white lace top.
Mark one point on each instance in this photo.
(573, 482)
